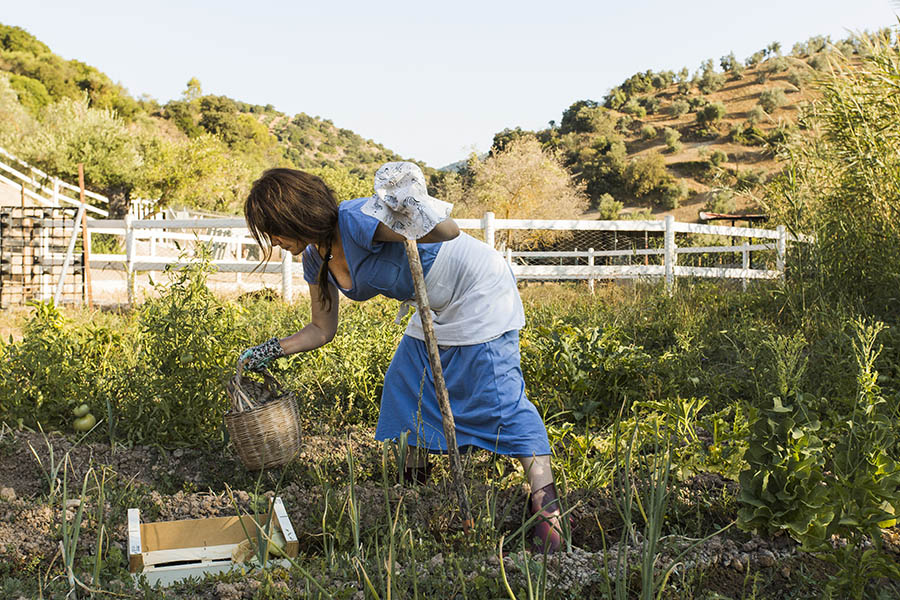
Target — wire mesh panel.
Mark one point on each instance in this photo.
(33, 242)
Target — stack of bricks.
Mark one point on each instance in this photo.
(33, 243)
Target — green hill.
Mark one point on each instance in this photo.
(56, 112)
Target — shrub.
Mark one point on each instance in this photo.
(672, 137)
(651, 103)
(819, 62)
(608, 207)
(747, 134)
(798, 79)
(720, 201)
(709, 81)
(698, 102)
(711, 113)
(678, 108)
(717, 158)
(646, 174)
(756, 115)
(648, 132)
(634, 109)
(755, 58)
(750, 178)
(671, 194)
(772, 99)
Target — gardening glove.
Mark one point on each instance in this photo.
(258, 358)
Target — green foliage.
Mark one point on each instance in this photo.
(718, 157)
(720, 201)
(798, 78)
(32, 93)
(72, 132)
(755, 116)
(730, 64)
(772, 98)
(678, 108)
(52, 369)
(646, 174)
(818, 480)
(711, 114)
(608, 208)
(633, 108)
(171, 389)
(344, 183)
(671, 194)
(585, 371)
(672, 137)
(843, 180)
(709, 81)
(648, 132)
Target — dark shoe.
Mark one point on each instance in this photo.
(417, 475)
(547, 534)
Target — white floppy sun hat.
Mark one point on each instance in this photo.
(401, 201)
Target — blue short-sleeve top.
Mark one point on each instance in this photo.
(375, 267)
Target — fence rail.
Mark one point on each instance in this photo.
(230, 237)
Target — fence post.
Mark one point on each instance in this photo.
(129, 258)
(56, 201)
(45, 258)
(487, 223)
(745, 264)
(591, 264)
(781, 246)
(287, 275)
(509, 256)
(669, 256)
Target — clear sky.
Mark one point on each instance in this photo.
(429, 80)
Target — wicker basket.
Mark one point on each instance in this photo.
(265, 432)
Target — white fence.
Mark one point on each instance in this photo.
(230, 240)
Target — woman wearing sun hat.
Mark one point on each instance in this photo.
(357, 248)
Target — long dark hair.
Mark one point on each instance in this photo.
(296, 205)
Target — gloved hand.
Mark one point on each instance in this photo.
(258, 358)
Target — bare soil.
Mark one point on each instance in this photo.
(193, 483)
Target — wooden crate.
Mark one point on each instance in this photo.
(169, 551)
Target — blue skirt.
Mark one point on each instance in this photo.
(487, 397)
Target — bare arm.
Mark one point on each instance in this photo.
(322, 326)
(444, 231)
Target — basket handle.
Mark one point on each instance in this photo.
(239, 398)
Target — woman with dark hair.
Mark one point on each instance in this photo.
(356, 248)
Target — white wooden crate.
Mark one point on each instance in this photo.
(169, 551)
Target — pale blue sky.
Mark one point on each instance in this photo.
(431, 81)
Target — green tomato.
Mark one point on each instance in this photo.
(80, 411)
(85, 423)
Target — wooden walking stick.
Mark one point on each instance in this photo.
(440, 388)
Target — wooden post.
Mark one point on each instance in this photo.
(591, 264)
(56, 192)
(85, 240)
(781, 246)
(287, 276)
(487, 223)
(440, 388)
(129, 258)
(669, 255)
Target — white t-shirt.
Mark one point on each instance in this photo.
(472, 293)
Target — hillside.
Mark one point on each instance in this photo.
(200, 150)
(676, 143)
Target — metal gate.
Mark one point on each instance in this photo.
(33, 244)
